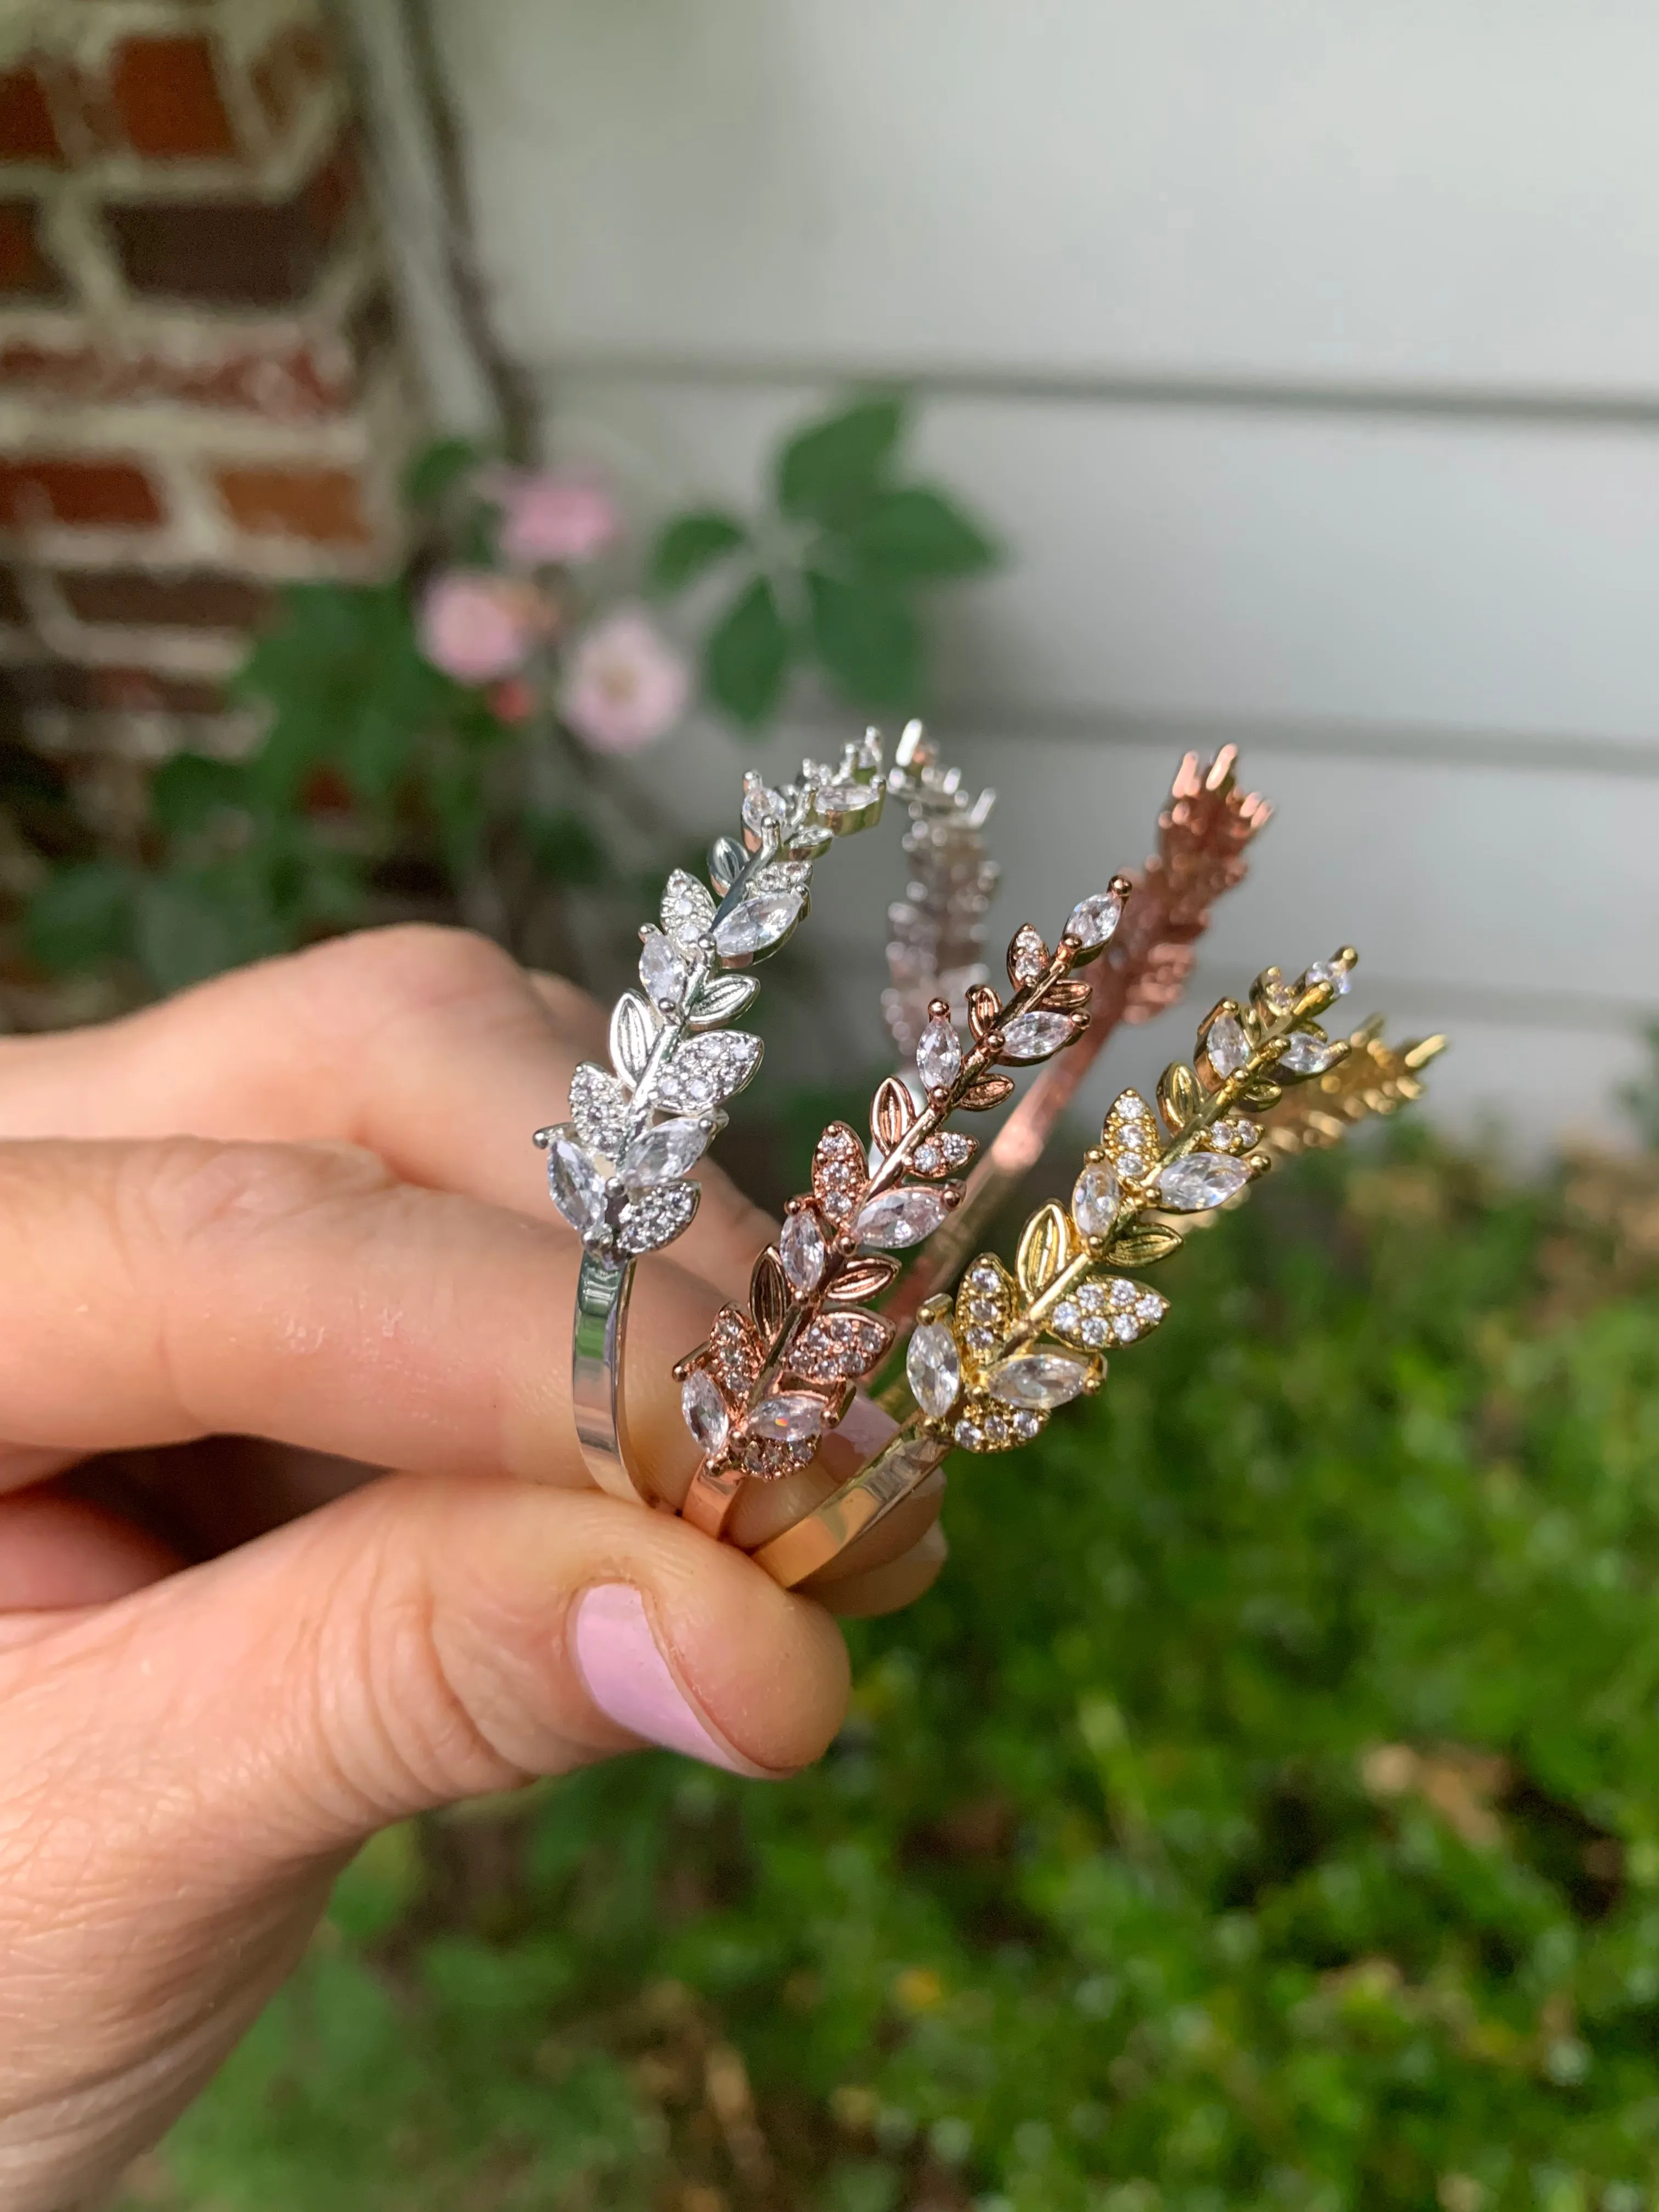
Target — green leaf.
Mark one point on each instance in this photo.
(829, 471)
(437, 468)
(690, 545)
(192, 926)
(564, 848)
(868, 640)
(919, 536)
(746, 656)
(186, 792)
(82, 916)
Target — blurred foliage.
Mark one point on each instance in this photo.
(377, 788)
(1263, 1811)
(827, 578)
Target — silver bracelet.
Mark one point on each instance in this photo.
(619, 1170)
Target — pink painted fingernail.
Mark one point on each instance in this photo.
(631, 1682)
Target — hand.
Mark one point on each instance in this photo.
(257, 1246)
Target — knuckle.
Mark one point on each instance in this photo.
(185, 1191)
(419, 967)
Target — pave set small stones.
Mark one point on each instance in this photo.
(943, 1152)
(1028, 957)
(1110, 1311)
(840, 1170)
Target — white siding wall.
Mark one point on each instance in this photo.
(1306, 356)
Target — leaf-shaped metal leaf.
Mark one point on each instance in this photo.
(983, 1007)
(892, 1113)
(687, 909)
(1130, 1137)
(1049, 1243)
(655, 1217)
(839, 1347)
(1260, 1097)
(1139, 1247)
(769, 1296)
(704, 1070)
(721, 999)
(726, 857)
(866, 1277)
(987, 1090)
(633, 1032)
(986, 1303)
(1068, 997)
(598, 1107)
(838, 1172)
(1179, 1096)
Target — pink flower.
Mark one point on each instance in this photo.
(624, 685)
(476, 625)
(511, 700)
(548, 517)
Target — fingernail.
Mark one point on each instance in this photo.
(625, 1673)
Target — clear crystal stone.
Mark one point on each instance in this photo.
(1200, 1181)
(755, 924)
(846, 798)
(663, 1154)
(1306, 1054)
(901, 1217)
(578, 1187)
(1096, 1196)
(970, 1437)
(662, 971)
(1228, 1047)
(1068, 1316)
(790, 1418)
(1279, 994)
(1042, 1379)
(1034, 1036)
(1025, 1425)
(1028, 956)
(933, 1367)
(598, 1107)
(803, 1251)
(705, 1413)
(939, 1056)
(759, 801)
(1331, 972)
(1093, 920)
(687, 909)
(655, 1217)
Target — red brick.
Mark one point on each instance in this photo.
(322, 505)
(235, 253)
(25, 271)
(28, 132)
(114, 690)
(106, 493)
(196, 599)
(166, 96)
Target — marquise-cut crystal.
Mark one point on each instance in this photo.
(1306, 1054)
(662, 971)
(663, 1154)
(707, 1069)
(705, 1413)
(1093, 920)
(933, 1367)
(1200, 1181)
(846, 798)
(803, 1251)
(939, 1056)
(1228, 1047)
(790, 1418)
(1332, 972)
(755, 924)
(1096, 1196)
(901, 1217)
(759, 799)
(578, 1188)
(1041, 1379)
(1035, 1034)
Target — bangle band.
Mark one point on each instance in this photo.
(987, 1373)
(770, 1382)
(618, 1170)
(1203, 834)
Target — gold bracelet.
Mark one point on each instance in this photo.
(987, 1372)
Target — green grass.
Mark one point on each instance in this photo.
(1264, 1811)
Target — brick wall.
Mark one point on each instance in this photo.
(200, 388)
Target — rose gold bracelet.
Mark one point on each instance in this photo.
(987, 1373)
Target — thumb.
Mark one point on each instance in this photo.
(184, 1768)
